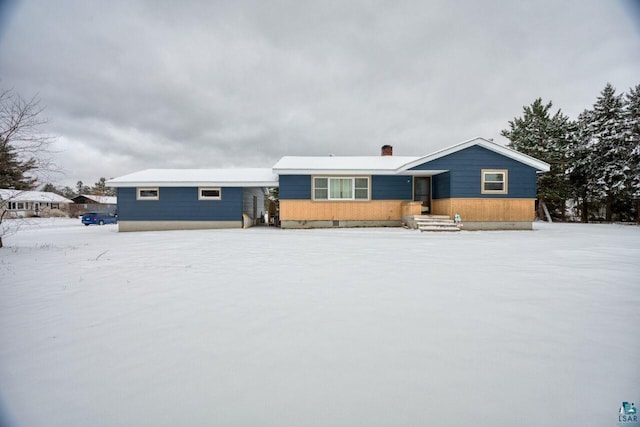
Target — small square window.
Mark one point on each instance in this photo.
(148, 194)
(209, 193)
(494, 181)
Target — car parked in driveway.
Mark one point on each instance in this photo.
(99, 218)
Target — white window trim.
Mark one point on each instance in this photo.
(140, 189)
(505, 189)
(330, 177)
(201, 197)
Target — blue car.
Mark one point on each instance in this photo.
(99, 218)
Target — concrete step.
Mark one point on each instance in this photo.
(431, 228)
(435, 223)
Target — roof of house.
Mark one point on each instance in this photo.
(489, 145)
(307, 165)
(103, 200)
(341, 164)
(391, 165)
(241, 177)
(32, 196)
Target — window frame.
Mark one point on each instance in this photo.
(140, 197)
(202, 197)
(504, 182)
(353, 179)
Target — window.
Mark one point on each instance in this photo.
(494, 181)
(209, 193)
(341, 188)
(21, 205)
(55, 206)
(148, 193)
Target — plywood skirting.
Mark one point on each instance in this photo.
(486, 209)
(372, 210)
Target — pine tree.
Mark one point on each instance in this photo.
(580, 172)
(543, 136)
(13, 171)
(632, 128)
(611, 149)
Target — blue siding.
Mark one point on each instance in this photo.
(441, 186)
(465, 174)
(295, 187)
(180, 204)
(298, 187)
(385, 187)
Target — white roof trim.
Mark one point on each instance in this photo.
(241, 177)
(489, 145)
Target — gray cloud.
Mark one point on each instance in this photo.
(134, 85)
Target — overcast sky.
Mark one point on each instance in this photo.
(131, 85)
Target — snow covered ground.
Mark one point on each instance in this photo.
(267, 327)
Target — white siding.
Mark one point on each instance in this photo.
(248, 202)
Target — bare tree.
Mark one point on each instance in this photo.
(24, 148)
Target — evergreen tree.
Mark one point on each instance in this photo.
(632, 127)
(13, 171)
(82, 189)
(546, 137)
(610, 148)
(580, 172)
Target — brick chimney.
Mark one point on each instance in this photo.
(387, 150)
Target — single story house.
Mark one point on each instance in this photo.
(23, 203)
(179, 199)
(488, 185)
(91, 203)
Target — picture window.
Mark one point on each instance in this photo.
(341, 188)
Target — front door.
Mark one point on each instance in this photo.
(422, 192)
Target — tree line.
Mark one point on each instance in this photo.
(595, 159)
(99, 188)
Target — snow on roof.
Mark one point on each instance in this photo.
(392, 164)
(103, 200)
(32, 196)
(341, 164)
(241, 177)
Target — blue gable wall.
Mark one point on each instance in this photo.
(465, 174)
(298, 187)
(180, 204)
(385, 187)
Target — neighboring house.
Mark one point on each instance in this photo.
(22, 203)
(488, 185)
(90, 203)
(177, 199)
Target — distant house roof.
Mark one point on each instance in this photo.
(241, 177)
(102, 200)
(32, 196)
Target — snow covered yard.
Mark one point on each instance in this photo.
(267, 327)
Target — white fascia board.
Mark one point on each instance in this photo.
(124, 184)
(336, 172)
(422, 172)
(489, 145)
